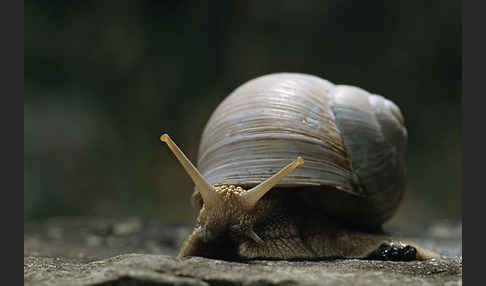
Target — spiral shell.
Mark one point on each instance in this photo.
(353, 142)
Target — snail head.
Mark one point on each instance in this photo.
(227, 208)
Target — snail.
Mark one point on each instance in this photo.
(292, 166)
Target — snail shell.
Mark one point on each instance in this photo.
(353, 143)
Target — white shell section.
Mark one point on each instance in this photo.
(375, 138)
(267, 122)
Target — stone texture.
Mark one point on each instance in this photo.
(83, 251)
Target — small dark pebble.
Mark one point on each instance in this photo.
(387, 252)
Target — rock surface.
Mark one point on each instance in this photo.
(94, 251)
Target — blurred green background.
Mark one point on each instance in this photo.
(103, 79)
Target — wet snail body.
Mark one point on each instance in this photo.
(333, 205)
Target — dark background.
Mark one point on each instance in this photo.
(103, 79)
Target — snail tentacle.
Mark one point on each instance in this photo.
(252, 234)
(208, 192)
(250, 198)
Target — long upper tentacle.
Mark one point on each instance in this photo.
(208, 192)
(251, 197)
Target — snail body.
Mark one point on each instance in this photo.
(333, 205)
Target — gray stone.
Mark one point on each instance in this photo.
(94, 251)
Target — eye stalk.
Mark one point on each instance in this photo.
(207, 191)
(248, 199)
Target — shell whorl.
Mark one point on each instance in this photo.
(351, 140)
